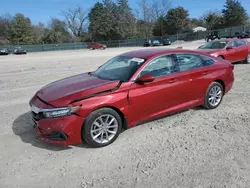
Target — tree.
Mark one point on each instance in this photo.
(126, 20)
(146, 17)
(75, 20)
(20, 30)
(38, 33)
(176, 20)
(100, 26)
(56, 32)
(234, 13)
(197, 22)
(213, 19)
(5, 21)
(158, 29)
(159, 11)
(160, 8)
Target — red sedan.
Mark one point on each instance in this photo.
(233, 50)
(94, 46)
(127, 90)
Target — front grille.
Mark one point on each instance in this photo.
(57, 135)
(37, 117)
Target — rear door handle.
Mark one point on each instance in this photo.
(206, 72)
(172, 80)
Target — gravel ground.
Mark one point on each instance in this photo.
(193, 149)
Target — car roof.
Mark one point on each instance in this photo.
(149, 53)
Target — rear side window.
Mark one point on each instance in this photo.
(207, 60)
(232, 44)
(188, 61)
(241, 43)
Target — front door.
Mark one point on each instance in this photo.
(169, 89)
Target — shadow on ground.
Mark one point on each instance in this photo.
(23, 127)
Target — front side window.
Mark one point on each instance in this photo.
(159, 67)
(119, 68)
(188, 61)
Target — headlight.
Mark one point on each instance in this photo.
(59, 112)
(213, 55)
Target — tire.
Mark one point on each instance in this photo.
(220, 56)
(91, 130)
(247, 60)
(215, 87)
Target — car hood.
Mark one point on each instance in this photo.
(209, 51)
(67, 90)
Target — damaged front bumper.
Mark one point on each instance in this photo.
(61, 130)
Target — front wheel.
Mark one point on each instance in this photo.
(214, 96)
(102, 127)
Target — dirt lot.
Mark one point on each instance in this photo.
(195, 148)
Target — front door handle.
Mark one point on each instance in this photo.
(172, 80)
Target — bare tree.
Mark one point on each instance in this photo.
(149, 13)
(160, 8)
(75, 20)
(145, 14)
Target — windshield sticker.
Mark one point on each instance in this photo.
(139, 60)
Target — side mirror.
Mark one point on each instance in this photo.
(229, 48)
(145, 78)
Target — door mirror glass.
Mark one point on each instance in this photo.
(145, 78)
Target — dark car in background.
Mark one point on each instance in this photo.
(157, 42)
(19, 50)
(95, 45)
(4, 51)
(245, 34)
(212, 36)
(166, 42)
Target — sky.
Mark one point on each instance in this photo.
(43, 10)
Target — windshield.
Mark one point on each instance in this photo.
(119, 68)
(214, 45)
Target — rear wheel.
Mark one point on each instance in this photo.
(247, 61)
(214, 96)
(102, 127)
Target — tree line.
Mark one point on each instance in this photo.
(116, 20)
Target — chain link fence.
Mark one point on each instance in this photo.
(131, 42)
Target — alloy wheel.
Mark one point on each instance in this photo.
(104, 128)
(215, 95)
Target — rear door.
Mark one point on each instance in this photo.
(242, 50)
(200, 74)
(232, 54)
